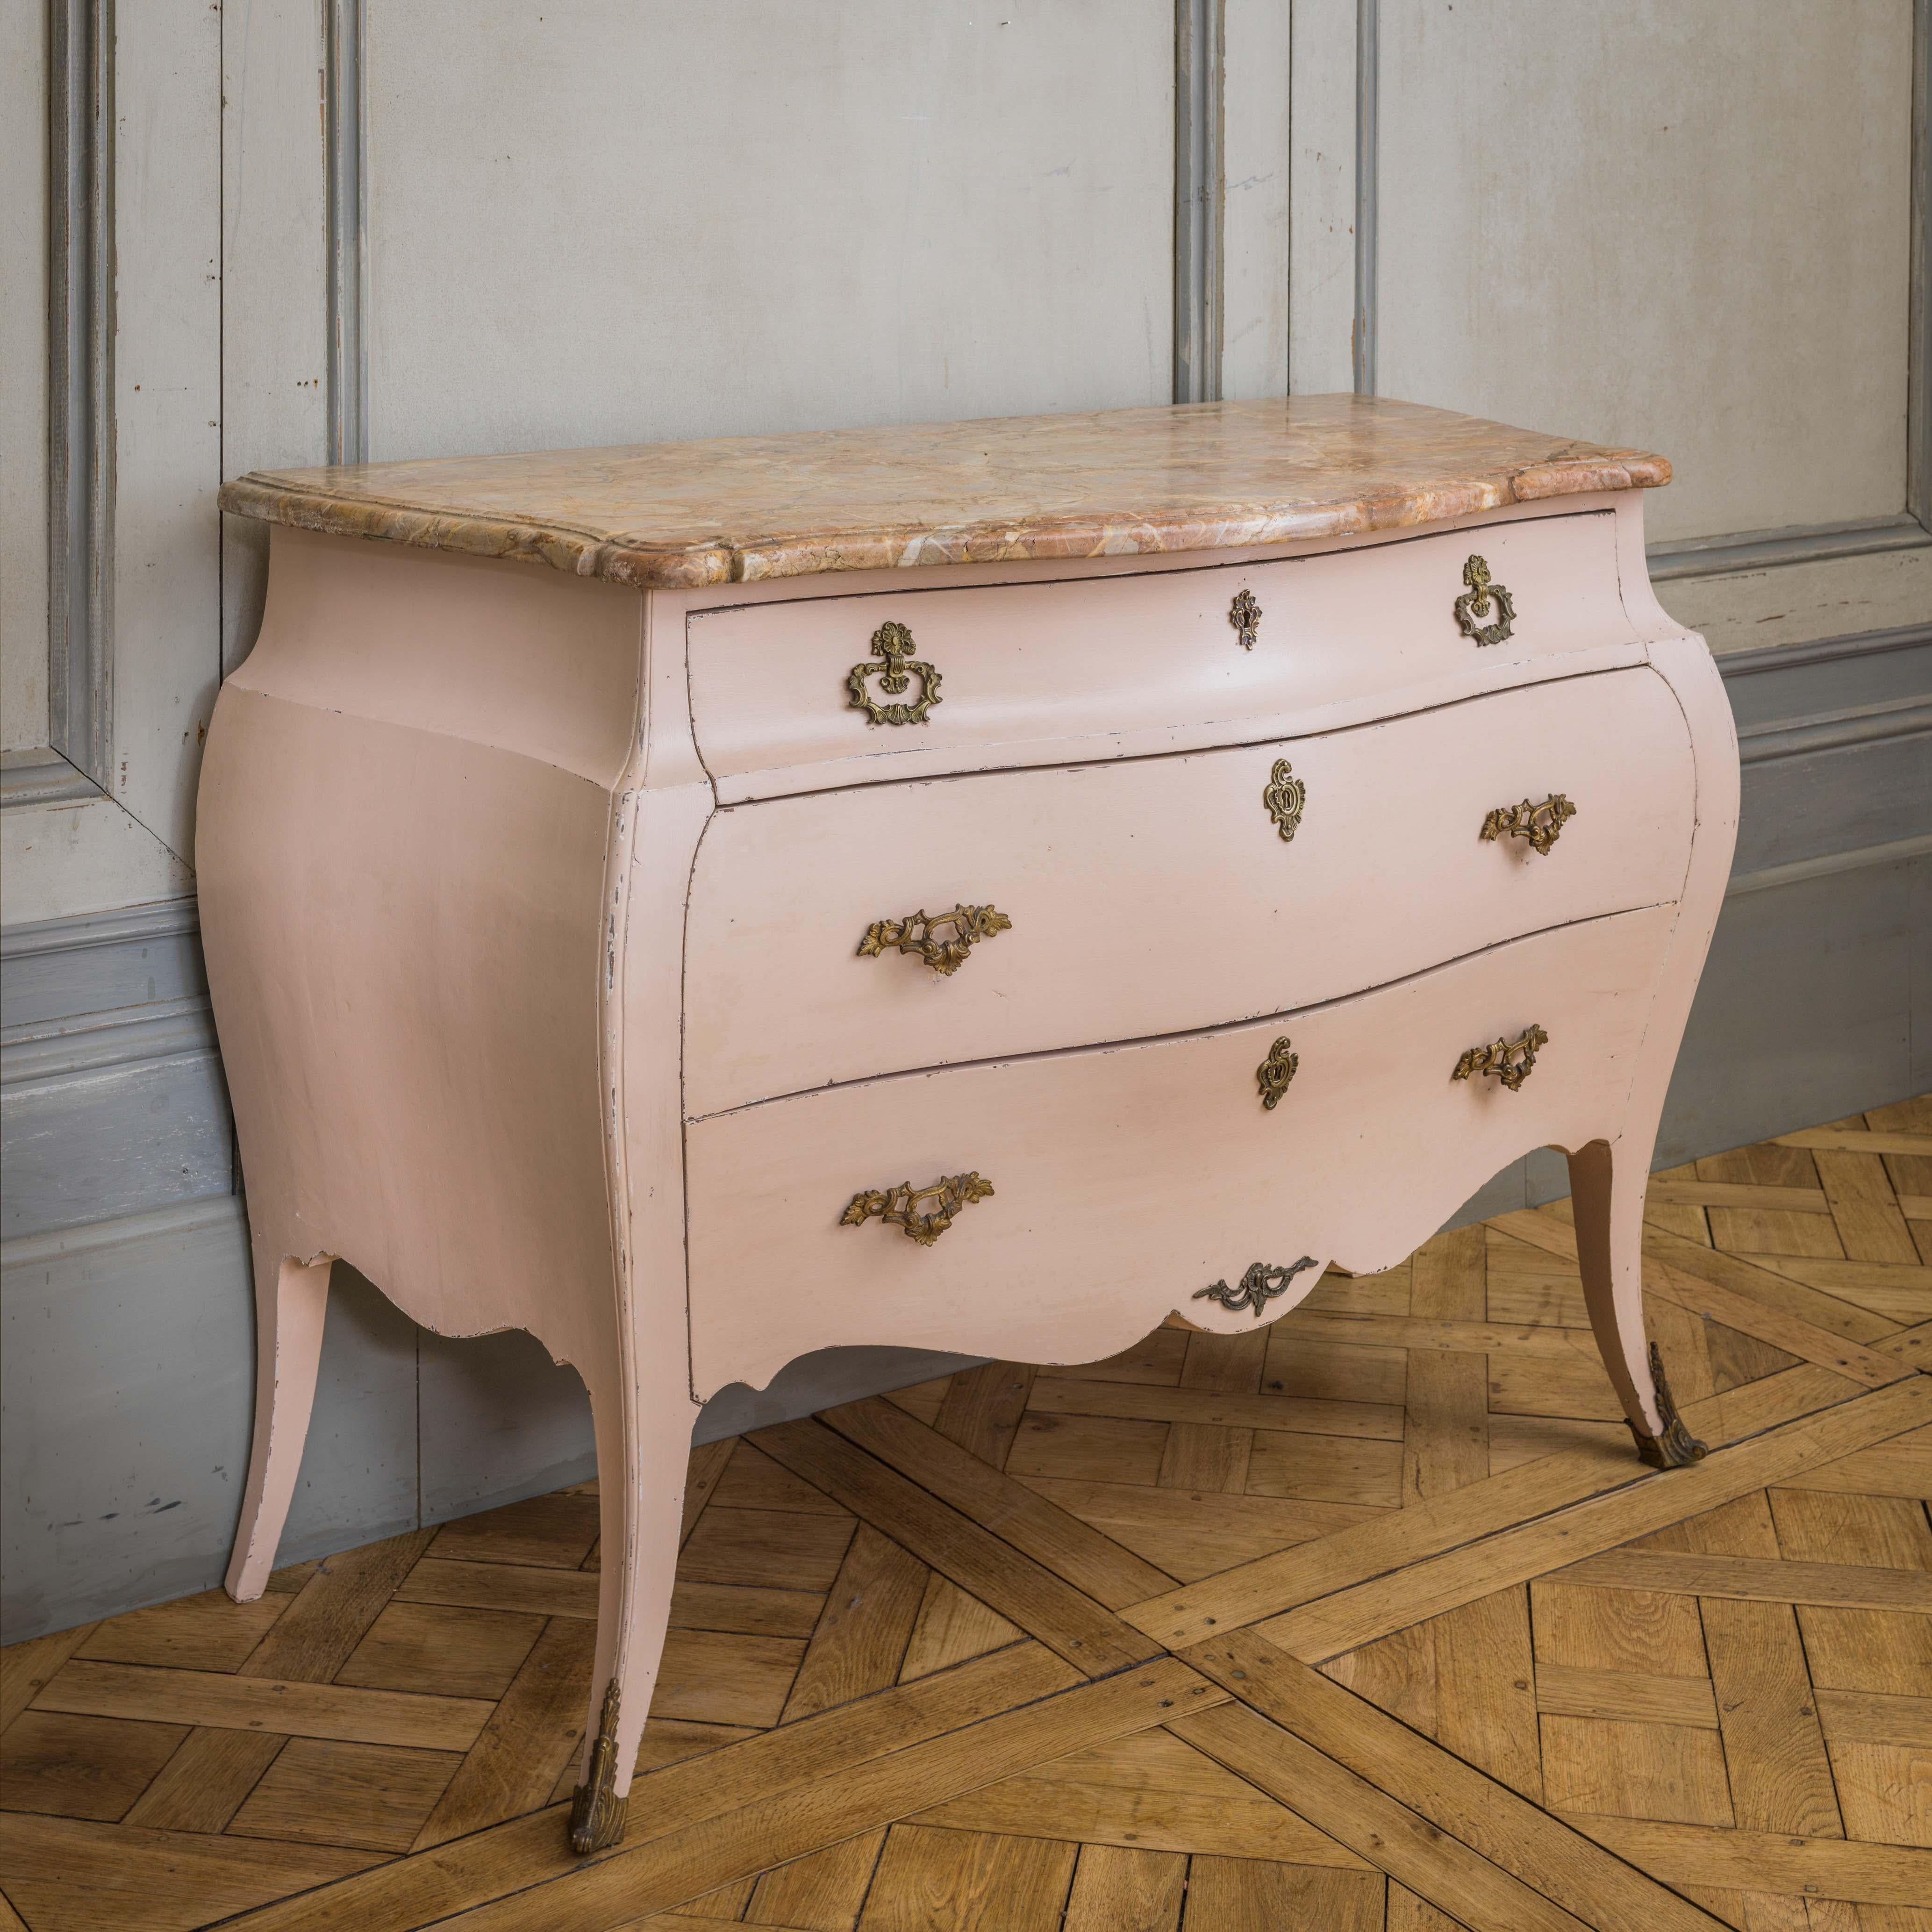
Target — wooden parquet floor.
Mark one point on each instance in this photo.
(1368, 1621)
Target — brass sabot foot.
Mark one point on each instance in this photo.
(1675, 1448)
(596, 1811)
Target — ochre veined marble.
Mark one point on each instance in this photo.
(1115, 483)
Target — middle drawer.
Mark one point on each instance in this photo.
(1159, 894)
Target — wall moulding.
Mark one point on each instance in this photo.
(345, 37)
(1752, 550)
(1368, 96)
(1909, 528)
(1200, 197)
(74, 763)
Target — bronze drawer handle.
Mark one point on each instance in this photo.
(899, 1205)
(1274, 1073)
(1475, 603)
(921, 933)
(1258, 1286)
(1512, 1061)
(893, 643)
(1542, 824)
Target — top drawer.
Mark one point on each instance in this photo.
(1142, 657)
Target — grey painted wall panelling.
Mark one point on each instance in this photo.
(1680, 226)
(887, 213)
(1807, 1010)
(126, 1373)
(359, 1478)
(100, 962)
(100, 1120)
(498, 1420)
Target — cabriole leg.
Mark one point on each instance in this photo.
(291, 1301)
(643, 1447)
(1606, 1190)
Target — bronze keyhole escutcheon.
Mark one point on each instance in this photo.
(1274, 1073)
(1245, 614)
(1285, 795)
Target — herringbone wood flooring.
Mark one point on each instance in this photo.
(1367, 1620)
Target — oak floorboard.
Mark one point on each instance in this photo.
(70, 1875)
(1438, 1583)
(208, 1698)
(823, 1892)
(864, 1630)
(951, 1626)
(1117, 1890)
(1243, 1894)
(1852, 1140)
(1862, 1717)
(373, 1797)
(967, 1881)
(1840, 1868)
(533, 1736)
(209, 1631)
(1092, 1563)
(315, 1629)
(1388, 1834)
(25, 1668)
(1053, 1395)
(1504, 1830)
(1843, 1585)
(72, 1767)
(1064, 1619)
(659, 1872)
(1695, 1278)
(1628, 1697)
(983, 1408)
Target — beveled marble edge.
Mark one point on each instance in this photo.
(303, 500)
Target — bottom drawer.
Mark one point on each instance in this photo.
(1126, 1178)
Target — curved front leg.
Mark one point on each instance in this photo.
(1607, 1189)
(291, 1303)
(643, 1444)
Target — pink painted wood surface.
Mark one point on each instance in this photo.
(291, 1304)
(1157, 894)
(402, 910)
(1126, 1178)
(1609, 1185)
(1069, 660)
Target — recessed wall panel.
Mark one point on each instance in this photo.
(1682, 224)
(600, 221)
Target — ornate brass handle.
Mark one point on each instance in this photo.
(900, 1205)
(893, 643)
(1542, 824)
(1475, 603)
(922, 934)
(1512, 1061)
(1245, 614)
(1258, 1286)
(1274, 1073)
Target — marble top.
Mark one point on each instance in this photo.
(1193, 477)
